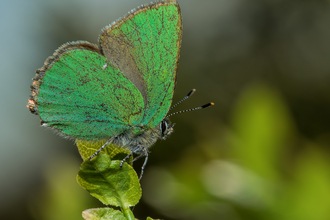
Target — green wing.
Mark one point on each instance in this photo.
(145, 46)
(81, 94)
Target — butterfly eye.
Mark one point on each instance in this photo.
(163, 127)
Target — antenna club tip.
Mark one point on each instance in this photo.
(191, 92)
(207, 105)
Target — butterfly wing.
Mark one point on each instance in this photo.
(82, 95)
(145, 46)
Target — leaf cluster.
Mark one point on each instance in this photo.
(115, 186)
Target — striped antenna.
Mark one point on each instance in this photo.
(192, 109)
(187, 96)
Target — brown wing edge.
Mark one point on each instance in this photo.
(37, 80)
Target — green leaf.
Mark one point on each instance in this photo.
(105, 180)
(103, 214)
(88, 148)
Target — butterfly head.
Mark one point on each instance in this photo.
(166, 128)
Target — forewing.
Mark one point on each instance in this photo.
(83, 95)
(145, 46)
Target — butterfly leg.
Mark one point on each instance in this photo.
(138, 157)
(144, 153)
(145, 161)
(128, 156)
(104, 145)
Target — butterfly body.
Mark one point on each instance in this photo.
(120, 89)
(145, 137)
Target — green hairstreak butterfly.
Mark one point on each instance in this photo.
(120, 89)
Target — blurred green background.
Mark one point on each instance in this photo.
(262, 152)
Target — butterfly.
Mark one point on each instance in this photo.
(120, 89)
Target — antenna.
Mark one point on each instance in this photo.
(192, 109)
(187, 96)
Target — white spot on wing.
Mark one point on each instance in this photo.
(105, 66)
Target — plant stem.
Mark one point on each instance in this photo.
(128, 213)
